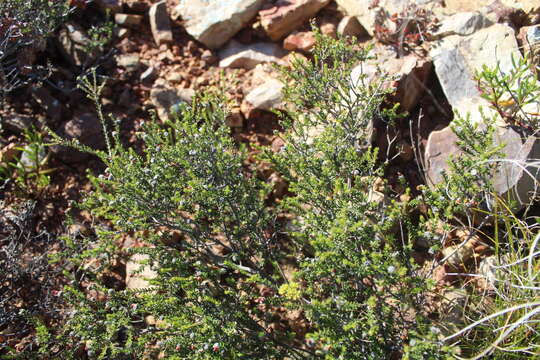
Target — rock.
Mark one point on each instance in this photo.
(73, 43)
(457, 58)
(52, 106)
(208, 57)
(160, 23)
(529, 38)
(165, 99)
(287, 15)
(511, 180)
(368, 13)
(463, 24)
(350, 26)
(410, 75)
(329, 29)
(128, 20)
(149, 76)
(28, 159)
(236, 55)
(17, 123)
(214, 22)
(300, 41)
(113, 6)
(264, 97)
(131, 62)
(121, 33)
(488, 271)
(451, 311)
(457, 256)
(86, 129)
(138, 273)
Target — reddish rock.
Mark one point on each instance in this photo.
(300, 41)
(287, 15)
(160, 23)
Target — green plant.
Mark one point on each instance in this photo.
(29, 171)
(222, 285)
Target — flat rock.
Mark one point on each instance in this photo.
(511, 180)
(266, 96)
(302, 41)
(236, 55)
(457, 58)
(214, 22)
(463, 24)
(287, 15)
(165, 99)
(160, 23)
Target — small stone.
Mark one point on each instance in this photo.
(149, 76)
(236, 55)
(128, 20)
(120, 33)
(264, 97)
(138, 275)
(28, 160)
(458, 256)
(160, 23)
(208, 57)
(350, 26)
(130, 62)
(300, 41)
(73, 44)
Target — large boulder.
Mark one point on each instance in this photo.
(214, 22)
(457, 59)
(287, 15)
(236, 55)
(513, 179)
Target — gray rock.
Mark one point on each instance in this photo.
(73, 43)
(286, 16)
(463, 24)
(166, 99)
(214, 22)
(350, 26)
(160, 23)
(236, 55)
(264, 97)
(513, 179)
(457, 58)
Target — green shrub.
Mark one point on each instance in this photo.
(223, 286)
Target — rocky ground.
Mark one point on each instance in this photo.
(163, 52)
